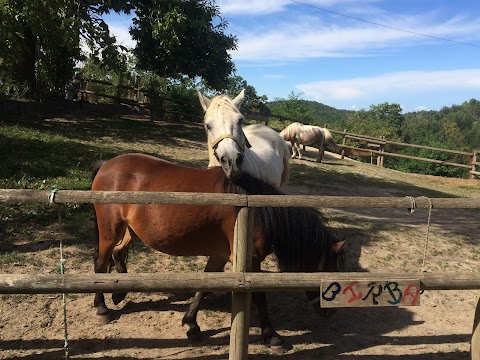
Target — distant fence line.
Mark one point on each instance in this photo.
(373, 146)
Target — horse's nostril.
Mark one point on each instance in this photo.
(239, 160)
(223, 159)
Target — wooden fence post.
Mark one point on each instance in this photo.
(242, 262)
(344, 141)
(475, 343)
(473, 160)
(381, 157)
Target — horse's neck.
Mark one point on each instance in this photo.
(255, 164)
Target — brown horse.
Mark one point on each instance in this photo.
(300, 134)
(297, 236)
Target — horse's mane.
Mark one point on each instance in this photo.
(297, 235)
(223, 100)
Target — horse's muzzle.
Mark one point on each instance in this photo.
(232, 168)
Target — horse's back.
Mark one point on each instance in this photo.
(173, 229)
(263, 137)
(140, 172)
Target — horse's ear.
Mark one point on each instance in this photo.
(204, 101)
(338, 246)
(238, 101)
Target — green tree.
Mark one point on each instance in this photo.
(252, 102)
(185, 37)
(294, 108)
(40, 41)
(380, 120)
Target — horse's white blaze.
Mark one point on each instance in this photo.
(266, 156)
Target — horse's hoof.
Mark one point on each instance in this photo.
(117, 298)
(274, 341)
(105, 318)
(194, 334)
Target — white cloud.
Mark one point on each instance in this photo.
(120, 31)
(421, 108)
(250, 7)
(236, 7)
(306, 37)
(392, 85)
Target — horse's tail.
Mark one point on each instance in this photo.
(329, 138)
(286, 167)
(96, 166)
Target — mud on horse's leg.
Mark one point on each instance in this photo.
(190, 318)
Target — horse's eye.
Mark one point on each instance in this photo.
(241, 120)
(208, 127)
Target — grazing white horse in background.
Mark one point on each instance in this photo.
(255, 149)
(300, 134)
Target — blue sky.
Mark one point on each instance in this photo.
(349, 54)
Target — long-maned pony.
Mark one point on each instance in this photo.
(298, 236)
(255, 149)
(300, 134)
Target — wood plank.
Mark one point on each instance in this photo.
(367, 293)
(475, 342)
(242, 262)
(200, 281)
(441, 162)
(182, 198)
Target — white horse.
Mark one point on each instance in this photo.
(255, 149)
(300, 134)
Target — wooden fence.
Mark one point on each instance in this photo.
(139, 98)
(376, 146)
(142, 98)
(240, 282)
(372, 146)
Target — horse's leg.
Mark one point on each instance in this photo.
(270, 336)
(190, 317)
(321, 151)
(103, 257)
(102, 261)
(299, 151)
(119, 257)
(293, 149)
(321, 146)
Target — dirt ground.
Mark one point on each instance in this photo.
(149, 325)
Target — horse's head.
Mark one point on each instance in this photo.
(223, 124)
(333, 263)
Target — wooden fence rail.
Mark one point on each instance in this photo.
(380, 143)
(240, 282)
(201, 281)
(184, 198)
